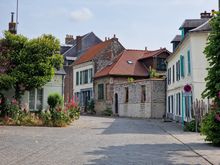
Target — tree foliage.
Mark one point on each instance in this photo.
(212, 52)
(28, 63)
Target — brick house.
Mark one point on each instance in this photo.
(71, 50)
(89, 63)
(130, 64)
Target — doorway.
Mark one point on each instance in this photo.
(116, 103)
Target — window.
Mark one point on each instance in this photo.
(100, 91)
(36, 99)
(161, 65)
(169, 76)
(173, 73)
(178, 70)
(81, 77)
(90, 75)
(182, 66)
(172, 104)
(178, 111)
(189, 63)
(77, 78)
(143, 93)
(126, 94)
(85, 76)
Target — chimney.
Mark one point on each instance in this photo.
(115, 38)
(78, 44)
(69, 39)
(12, 25)
(145, 48)
(205, 15)
(106, 39)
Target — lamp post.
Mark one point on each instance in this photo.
(17, 16)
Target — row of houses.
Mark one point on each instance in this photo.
(121, 79)
(101, 71)
(96, 73)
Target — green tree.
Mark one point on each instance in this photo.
(212, 52)
(32, 62)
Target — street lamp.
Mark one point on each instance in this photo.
(17, 16)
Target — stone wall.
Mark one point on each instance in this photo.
(153, 106)
(107, 102)
(107, 55)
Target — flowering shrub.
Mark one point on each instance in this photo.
(73, 109)
(57, 116)
(211, 127)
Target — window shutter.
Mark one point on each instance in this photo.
(189, 62)
(182, 65)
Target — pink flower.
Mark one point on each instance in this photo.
(0, 101)
(217, 117)
(14, 101)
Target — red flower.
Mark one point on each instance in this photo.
(0, 101)
(217, 117)
(14, 101)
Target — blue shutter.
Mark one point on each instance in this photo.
(182, 65)
(189, 62)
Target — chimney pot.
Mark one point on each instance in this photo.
(69, 39)
(146, 48)
(205, 15)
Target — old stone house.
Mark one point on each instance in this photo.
(130, 65)
(71, 50)
(89, 63)
(141, 98)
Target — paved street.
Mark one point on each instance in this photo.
(110, 141)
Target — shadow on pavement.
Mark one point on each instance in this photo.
(145, 154)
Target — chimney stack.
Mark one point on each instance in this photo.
(146, 48)
(205, 15)
(69, 39)
(78, 44)
(12, 25)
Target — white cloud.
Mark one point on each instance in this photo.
(81, 15)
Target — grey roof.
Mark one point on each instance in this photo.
(60, 72)
(193, 23)
(177, 38)
(204, 27)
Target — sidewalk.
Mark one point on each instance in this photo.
(193, 141)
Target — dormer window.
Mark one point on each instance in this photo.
(129, 62)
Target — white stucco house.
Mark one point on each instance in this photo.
(187, 67)
(36, 99)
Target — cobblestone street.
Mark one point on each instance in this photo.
(99, 140)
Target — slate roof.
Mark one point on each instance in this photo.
(193, 23)
(71, 51)
(92, 52)
(202, 28)
(177, 38)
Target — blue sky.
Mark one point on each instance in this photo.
(137, 23)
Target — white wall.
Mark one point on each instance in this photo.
(78, 68)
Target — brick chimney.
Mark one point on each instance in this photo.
(12, 25)
(115, 38)
(205, 15)
(69, 39)
(78, 44)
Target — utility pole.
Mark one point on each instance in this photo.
(17, 16)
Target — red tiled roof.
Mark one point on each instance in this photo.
(149, 54)
(122, 67)
(92, 52)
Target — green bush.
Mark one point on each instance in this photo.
(191, 126)
(210, 127)
(60, 117)
(54, 100)
(91, 107)
(45, 117)
(107, 112)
